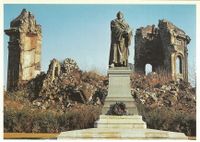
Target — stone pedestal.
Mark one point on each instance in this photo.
(119, 90)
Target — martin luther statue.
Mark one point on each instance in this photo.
(121, 35)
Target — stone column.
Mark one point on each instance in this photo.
(173, 66)
(186, 66)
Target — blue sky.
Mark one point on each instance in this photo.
(82, 32)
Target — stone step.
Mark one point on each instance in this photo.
(113, 133)
(110, 121)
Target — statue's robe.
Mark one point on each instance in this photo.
(120, 40)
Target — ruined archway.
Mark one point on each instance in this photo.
(54, 69)
(165, 47)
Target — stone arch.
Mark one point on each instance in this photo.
(179, 66)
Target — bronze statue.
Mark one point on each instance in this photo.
(121, 35)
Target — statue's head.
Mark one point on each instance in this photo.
(120, 15)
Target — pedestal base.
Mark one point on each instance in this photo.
(112, 133)
(127, 121)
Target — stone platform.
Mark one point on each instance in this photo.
(120, 127)
(113, 133)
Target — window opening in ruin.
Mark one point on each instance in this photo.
(56, 71)
(178, 65)
(148, 69)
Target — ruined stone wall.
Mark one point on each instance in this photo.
(161, 47)
(24, 49)
(148, 49)
(54, 69)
